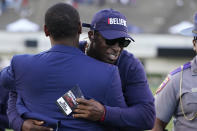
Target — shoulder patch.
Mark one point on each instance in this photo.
(185, 66)
(163, 84)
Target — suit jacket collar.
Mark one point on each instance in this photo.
(66, 49)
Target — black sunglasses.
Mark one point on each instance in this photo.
(123, 42)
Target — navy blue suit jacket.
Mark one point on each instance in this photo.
(3, 107)
(41, 79)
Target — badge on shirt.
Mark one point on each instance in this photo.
(163, 84)
(67, 102)
(194, 90)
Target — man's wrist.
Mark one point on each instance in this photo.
(103, 116)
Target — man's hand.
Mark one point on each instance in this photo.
(159, 125)
(89, 109)
(34, 125)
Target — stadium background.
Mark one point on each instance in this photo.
(149, 23)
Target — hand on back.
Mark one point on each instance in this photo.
(34, 125)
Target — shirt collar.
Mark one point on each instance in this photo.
(194, 66)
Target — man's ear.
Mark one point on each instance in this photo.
(46, 31)
(91, 36)
(194, 45)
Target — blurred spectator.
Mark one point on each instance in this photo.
(114, 1)
(10, 3)
(20, 6)
(179, 2)
(90, 2)
(133, 2)
(2, 6)
(102, 2)
(17, 5)
(24, 8)
(125, 2)
(128, 2)
(134, 29)
(75, 3)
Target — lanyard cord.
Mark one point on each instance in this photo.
(181, 80)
